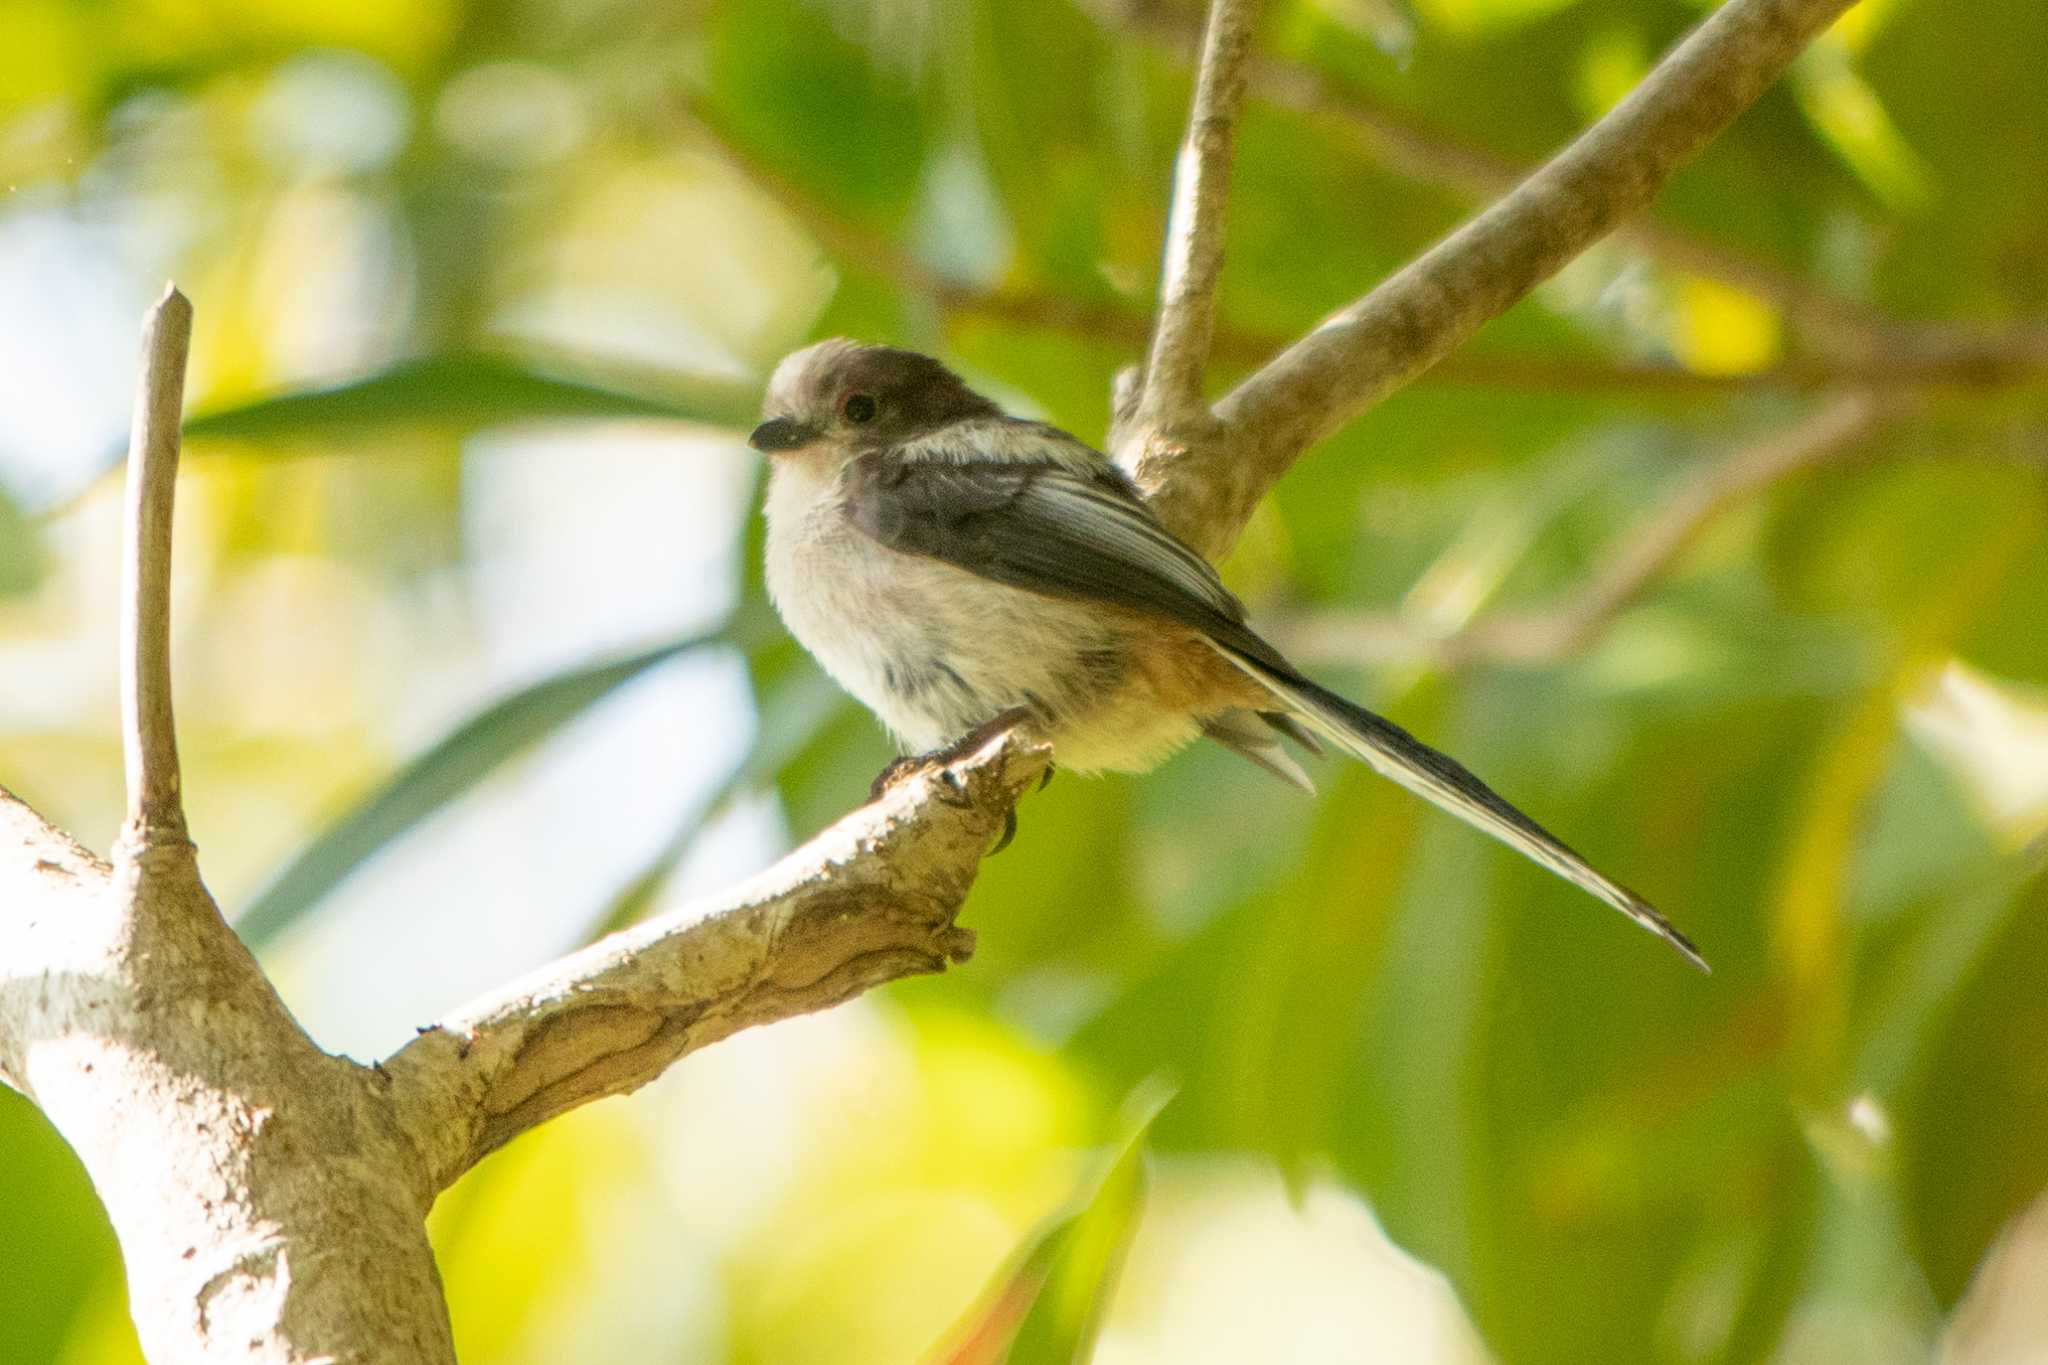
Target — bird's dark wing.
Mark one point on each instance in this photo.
(1074, 528)
(1061, 527)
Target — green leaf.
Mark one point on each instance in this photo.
(465, 391)
(1973, 1152)
(21, 558)
(456, 763)
(1058, 1286)
(58, 1244)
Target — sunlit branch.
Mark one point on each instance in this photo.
(235, 1157)
(870, 900)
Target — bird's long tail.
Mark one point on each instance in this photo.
(1394, 753)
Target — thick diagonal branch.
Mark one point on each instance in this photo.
(269, 1197)
(1408, 147)
(868, 901)
(1365, 351)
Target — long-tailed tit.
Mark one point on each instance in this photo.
(947, 563)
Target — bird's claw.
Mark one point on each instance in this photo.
(1009, 833)
(940, 760)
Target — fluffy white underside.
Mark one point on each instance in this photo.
(934, 650)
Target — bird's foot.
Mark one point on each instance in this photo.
(903, 769)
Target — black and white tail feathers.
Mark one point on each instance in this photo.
(1395, 754)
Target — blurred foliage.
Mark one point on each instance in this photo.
(463, 392)
(1046, 1308)
(410, 227)
(444, 772)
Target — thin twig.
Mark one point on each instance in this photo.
(1636, 560)
(1367, 350)
(156, 810)
(1172, 384)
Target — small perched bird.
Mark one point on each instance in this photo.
(947, 563)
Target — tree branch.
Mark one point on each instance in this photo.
(44, 875)
(1367, 350)
(868, 901)
(156, 810)
(1403, 144)
(1170, 395)
(1637, 558)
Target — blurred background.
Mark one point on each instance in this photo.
(1726, 555)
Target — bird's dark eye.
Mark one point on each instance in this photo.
(858, 407)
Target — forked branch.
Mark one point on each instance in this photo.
(868, 901)
(1368, 349)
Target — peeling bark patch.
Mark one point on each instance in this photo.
(610, 1073)
(570, 1043)
(249, 1270)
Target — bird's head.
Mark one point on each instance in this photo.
(840, 397)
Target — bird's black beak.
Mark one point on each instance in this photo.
(778, 434)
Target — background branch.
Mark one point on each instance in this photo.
(1637, 558)
(1883, 353)
(870, 900)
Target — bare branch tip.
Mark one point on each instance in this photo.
(149, 741)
